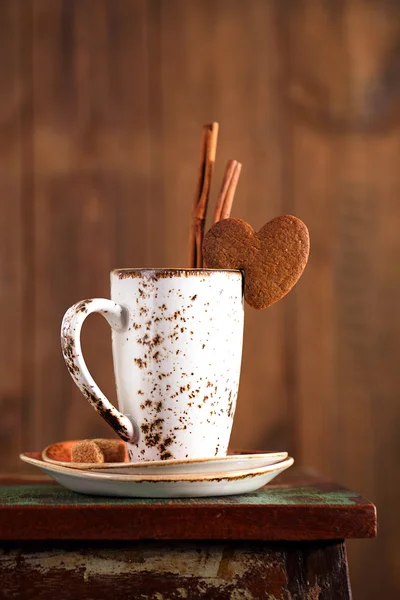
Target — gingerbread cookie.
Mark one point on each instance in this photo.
(272, 259)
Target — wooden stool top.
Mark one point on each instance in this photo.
(298, 506)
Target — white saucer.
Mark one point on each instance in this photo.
(159, 486)
(224, 464)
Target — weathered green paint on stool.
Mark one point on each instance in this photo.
(45, 495)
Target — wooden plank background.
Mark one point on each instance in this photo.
(101, 106)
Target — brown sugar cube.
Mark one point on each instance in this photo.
(98, 451)
(113, 450)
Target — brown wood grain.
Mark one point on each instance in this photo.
(92, 157)
(310, 42)
(211, 71)
(367, 282)
(312, 509)
(101, 110)
(14, 325)
(343, 100)
(185, 522)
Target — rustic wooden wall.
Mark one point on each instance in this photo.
(101, 106)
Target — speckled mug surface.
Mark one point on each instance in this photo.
(177, 347)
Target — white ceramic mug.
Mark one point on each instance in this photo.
(177, 346)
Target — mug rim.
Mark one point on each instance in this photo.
(186, 270)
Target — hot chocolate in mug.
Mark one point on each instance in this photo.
(177, 346)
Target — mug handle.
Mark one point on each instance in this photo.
(117, 317)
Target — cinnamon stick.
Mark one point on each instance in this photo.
(207, 160)
(230, 194)
(229, 170)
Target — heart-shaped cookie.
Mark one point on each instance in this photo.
(272, 259)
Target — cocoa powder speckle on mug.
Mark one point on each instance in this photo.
(177, 362)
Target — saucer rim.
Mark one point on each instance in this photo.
(280, 456)
(188, 477)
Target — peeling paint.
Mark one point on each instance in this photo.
(180, 570)
(183, 562)
(209, 569)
